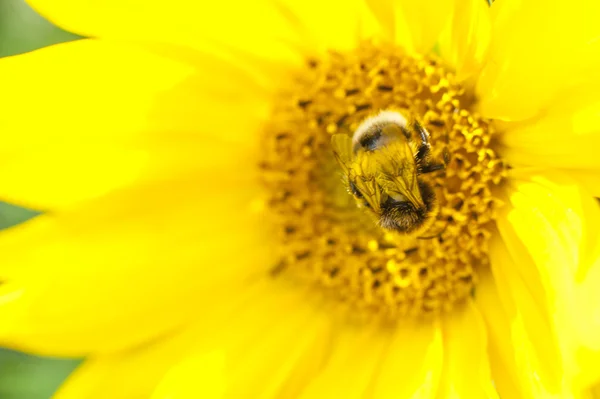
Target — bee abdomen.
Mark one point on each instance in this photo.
(404, 217)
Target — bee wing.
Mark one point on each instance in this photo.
(363, 174)
(364, 181)
(398, 171)
(342, 150)
(368, 187)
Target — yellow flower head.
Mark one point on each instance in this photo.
(307, 199)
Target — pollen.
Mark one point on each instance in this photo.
(323, 238)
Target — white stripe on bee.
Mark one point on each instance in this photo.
(382, 118)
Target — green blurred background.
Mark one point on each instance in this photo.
(23, 376)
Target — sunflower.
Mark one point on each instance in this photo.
(197, 239)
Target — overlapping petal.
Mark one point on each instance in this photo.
(539, 48)
(550, 230)
(503, 364)
(463, 44)
(565, 136)
(355, 358)
(414, 25)
(93, 90)
(555, 220)
(139, 262)
(466, 372)
(248, 341)
(512, 355)
(416, 352)
(535, 351)
(109, 115)
(278, 31)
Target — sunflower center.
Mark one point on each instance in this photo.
(325, 238)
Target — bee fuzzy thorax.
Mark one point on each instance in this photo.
(363, 197)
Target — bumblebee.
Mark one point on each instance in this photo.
(382, 163)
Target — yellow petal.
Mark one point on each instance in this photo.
(182, 381)
(565, 136)
(550, 230)
(555, 220)
(594, 392)
(383, 10)
(532, 322)
(588, 179)
(248, 343)
(59, 178)
(278, 31)
(504, 368)
(588, 362)
(535, 55)
(336, 25)
(584, 315)
(354, 362)
(513, 359)
(247, 26)
(277, 364)
(92, 91)
(101, 115)
(587, 313)
(127, 267)
(466, 371)
(415, 25)
(464, 43)
(539, 346)
(412, 364)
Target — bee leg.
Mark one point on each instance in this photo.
(424, 147)
(422, 132)
(422, 152)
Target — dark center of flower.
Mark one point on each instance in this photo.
(325, 238)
